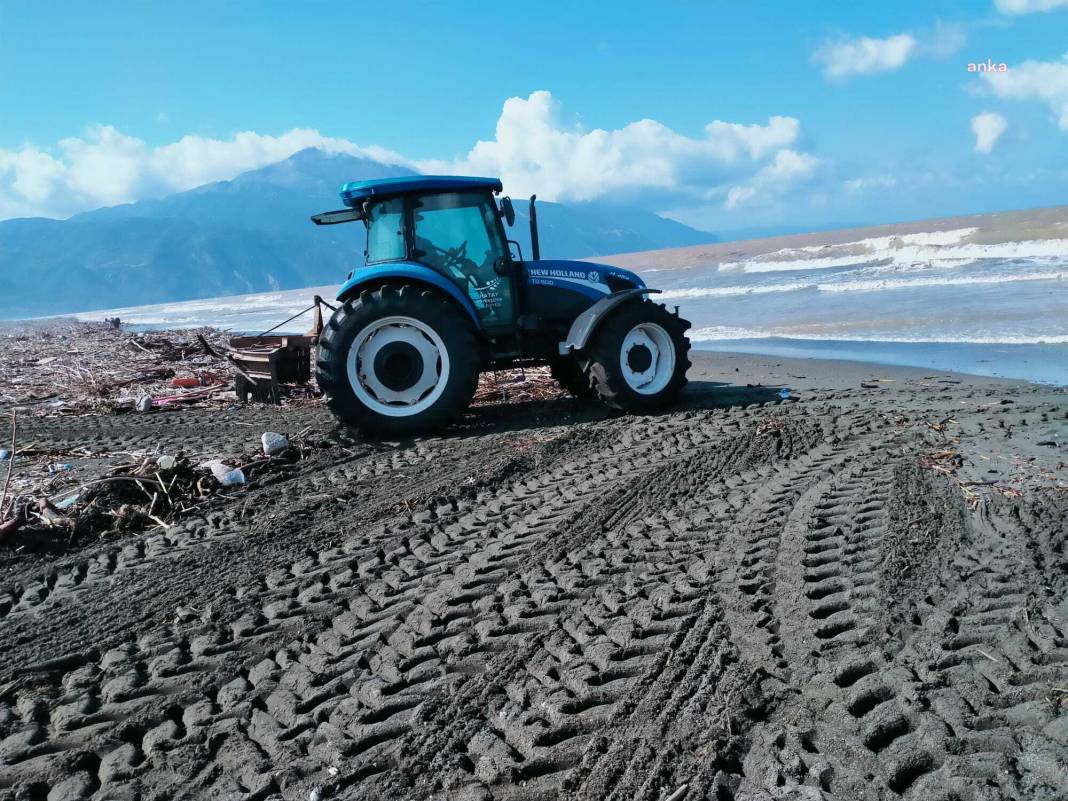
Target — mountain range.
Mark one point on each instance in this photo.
(252, 234)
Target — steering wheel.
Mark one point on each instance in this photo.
(458, 253)
(455, 259)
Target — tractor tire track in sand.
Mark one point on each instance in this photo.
(720, 604)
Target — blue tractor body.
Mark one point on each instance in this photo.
(443, 240)
(543, 280)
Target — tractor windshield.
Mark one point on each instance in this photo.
(456, 233)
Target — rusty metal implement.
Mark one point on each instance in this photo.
(266, 364)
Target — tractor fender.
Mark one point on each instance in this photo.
(586, 323)
(408, 271)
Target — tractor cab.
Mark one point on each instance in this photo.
(450, 225)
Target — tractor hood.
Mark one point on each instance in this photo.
(598, 279)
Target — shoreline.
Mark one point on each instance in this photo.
(809, 373)
(1037, 363)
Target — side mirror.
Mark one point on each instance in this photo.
(508, 211)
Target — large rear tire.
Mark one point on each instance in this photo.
(397, 360)
(637, 359)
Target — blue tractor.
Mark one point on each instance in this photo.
(446, 295)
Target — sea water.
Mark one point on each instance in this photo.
(917, 300)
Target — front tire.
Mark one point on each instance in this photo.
(637, 359)
(397, 360)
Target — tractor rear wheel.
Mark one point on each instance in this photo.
(637, 358)
(569, 375)
(397, 360)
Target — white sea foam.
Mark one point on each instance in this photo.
(874, 285)
(914, 251)
(231, 311)
(717, 333)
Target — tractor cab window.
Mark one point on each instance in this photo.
(457, 234)
(385, 231)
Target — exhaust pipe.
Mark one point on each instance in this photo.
(535, 247)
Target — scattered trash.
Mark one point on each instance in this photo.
(136, 492)
(66, 503)
(55, 367)
(784, 394)
(144, 403)
(869, 385)
(218, 468)
(316, 794)
(225, 474)
(233, 478)
(5, 454)
(274, 444)
(183, 614)
(185, 382)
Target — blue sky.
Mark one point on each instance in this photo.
(879, 96)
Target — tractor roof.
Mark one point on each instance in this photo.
(357, 191)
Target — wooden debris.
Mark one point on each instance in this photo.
(519, 385)
(62, 367)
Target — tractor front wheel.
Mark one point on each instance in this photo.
(397, 360)
(636, 360)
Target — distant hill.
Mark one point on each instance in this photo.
(252, 234)
(579, 230)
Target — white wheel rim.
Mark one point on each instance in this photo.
(653, 378)
(370, 388)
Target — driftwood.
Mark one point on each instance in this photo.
(517, 386)
(63, 367)
(10, 466)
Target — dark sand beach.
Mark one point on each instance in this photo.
(859, 592)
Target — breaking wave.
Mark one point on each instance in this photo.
(717, 333)
(911, 251)
(874, 285)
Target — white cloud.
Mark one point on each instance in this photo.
(864, 183)
(864, 55)
(944, 39)
(1046, 81)
(1028, 6)
(534, 150)
(106, 167)
(988, 128)
(787, 169)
